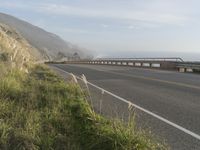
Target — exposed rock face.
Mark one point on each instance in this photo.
(48, 45)
(15, 49)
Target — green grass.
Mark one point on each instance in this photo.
(39, 110)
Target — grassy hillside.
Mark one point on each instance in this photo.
(38, 110)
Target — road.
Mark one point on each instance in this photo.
(171, 95)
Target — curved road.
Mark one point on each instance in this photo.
(171, 95)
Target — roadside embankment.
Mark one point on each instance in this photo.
(39, 110)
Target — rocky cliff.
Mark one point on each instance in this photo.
(15, 49)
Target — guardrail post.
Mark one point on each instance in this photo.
(130, 63)
(182, 69)
(119, 63)
(138, 64)
(124, 63)
(189, 70)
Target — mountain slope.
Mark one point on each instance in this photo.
(15, 50)
(47, 43)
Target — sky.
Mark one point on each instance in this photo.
(118, 28)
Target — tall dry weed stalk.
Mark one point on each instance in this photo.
(87, 88)
(74, 79)
(101, 100)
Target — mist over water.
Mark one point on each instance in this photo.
(186, 56)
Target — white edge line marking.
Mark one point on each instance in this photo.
(143, 109)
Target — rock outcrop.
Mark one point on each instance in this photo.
(15, 49)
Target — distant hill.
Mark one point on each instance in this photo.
(49, 45)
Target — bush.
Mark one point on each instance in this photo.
(10, 88)
(4, 56)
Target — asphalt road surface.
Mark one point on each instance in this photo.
(172, 95)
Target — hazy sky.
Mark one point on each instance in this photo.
(116, 26)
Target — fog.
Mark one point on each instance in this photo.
(186, 56)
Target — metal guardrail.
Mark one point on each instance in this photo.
(174, 59)
(161, 63)
(167, 63)
(195, 66)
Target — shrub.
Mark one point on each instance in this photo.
(10, 88)
(4, 56)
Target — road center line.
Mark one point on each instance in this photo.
(194, 135)
(152, 79)
(158, 80)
